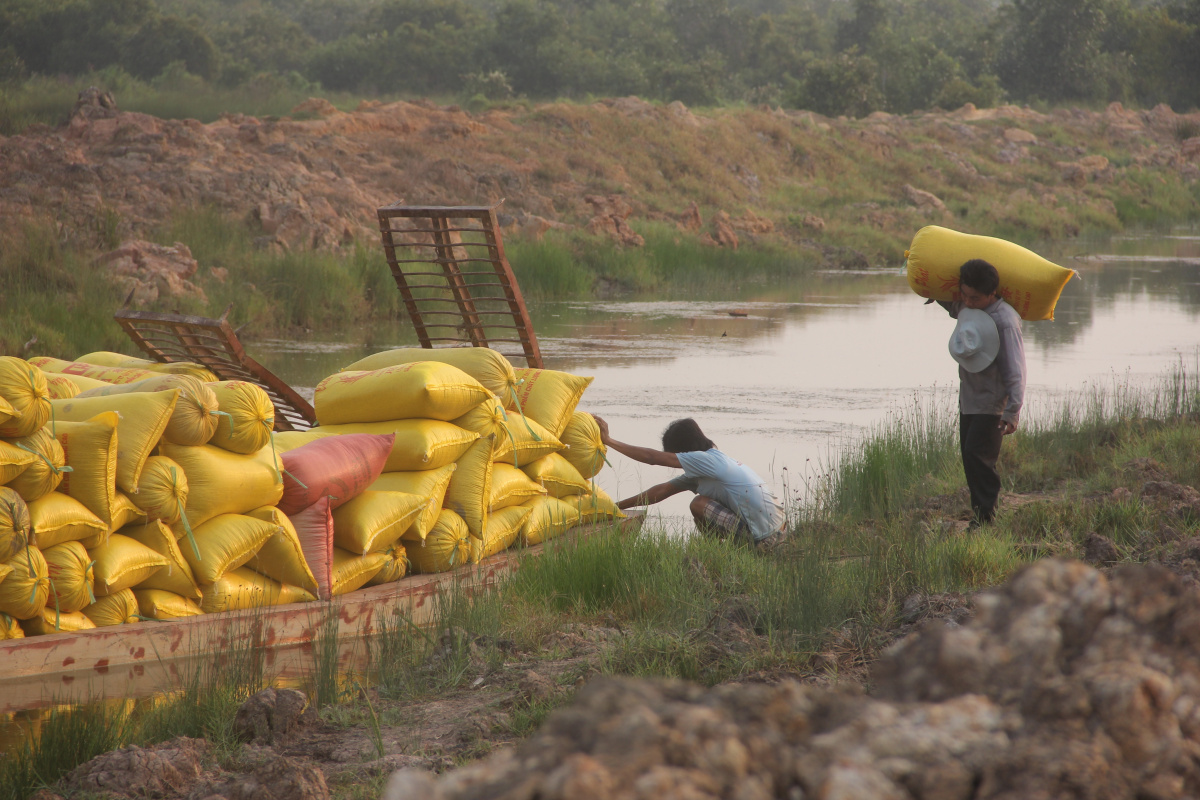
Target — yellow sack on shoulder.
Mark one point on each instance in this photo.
(50, 621)
(56, 518)
(247, 417)
(122, 563)
(522, 440)
(281, 557)
(117, 608)
(549, 517)
(226, 542)
(558, 476)
(502, 530)
(16, 529)
(221, 482)
(470, 489)
(493, 371)
(142, 419)
(429, 483)
(548, 396)
(448, 545)
(160, 604)
(420, 443)
(26, 588)
(26, 399)
(71, 577)
(511, 487)
(176, 577)
(585, 450)
(373, 520)
(1028, 282)
(194, 419)
(351, 571)
(395, 568)
(163, 492)
(244, 588)
(46, 471)
(420, 390)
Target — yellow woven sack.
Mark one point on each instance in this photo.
(163, 491)
(13, 461)
(61, 387)
(447, 546)
(550, 517)
(420, 390)
(226, 542)
(247, 417)
(15, 524)
(124, 513)
(485, 419)
(122, 563)
(585, 450)
(143, 417)
(117, 608)
(522, 440)
(56, 518)
(107, 358)
(470, 489)
(489, 367)
(1028, 282)
(105, 374)
(244, 588)
(595, 506)
(502, 530)
(373, 520)
(27, 400)
(90, 450)
(290, 440)
(176, 577)
(192, 370)
(194, 419)
(351, 571)
(50, 621)
(9, 627)
(24, 590)
(548, 396)
(161, 604)
(511, 487)
(46, 471)
(395, 568)
(221, 482)
(558, 476)
(420, 443)
(429, 483)
(7, 412)
(281, 557)
(71, 578)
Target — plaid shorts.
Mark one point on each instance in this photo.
(721, 521)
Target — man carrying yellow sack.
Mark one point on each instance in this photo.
(990, 352)
(731, 500)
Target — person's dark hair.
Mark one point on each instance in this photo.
(685, 436)
(980, 276)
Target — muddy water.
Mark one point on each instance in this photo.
(783, 376)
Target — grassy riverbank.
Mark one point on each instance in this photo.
(878, 544)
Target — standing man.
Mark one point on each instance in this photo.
(731, 499)
(990, 352)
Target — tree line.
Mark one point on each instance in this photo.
(832, 56)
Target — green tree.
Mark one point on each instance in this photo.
(845, 84)
(166, 40)
(1052, 50)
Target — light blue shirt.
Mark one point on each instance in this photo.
(712, 474)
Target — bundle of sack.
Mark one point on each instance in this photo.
(134, 490)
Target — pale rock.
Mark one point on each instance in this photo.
(1019, 136)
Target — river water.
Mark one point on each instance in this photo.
(800, 370)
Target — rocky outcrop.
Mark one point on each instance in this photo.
(166, 769)
(148, 271)
(1066, 683)
(267, 717)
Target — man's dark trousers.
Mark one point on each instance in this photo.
(980, 438)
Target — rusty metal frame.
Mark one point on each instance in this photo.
(213, 343)
(457, 284)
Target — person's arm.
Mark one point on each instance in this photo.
(655, 494)
(1012, 370)
(645, 455)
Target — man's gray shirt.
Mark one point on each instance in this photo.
(999, 388)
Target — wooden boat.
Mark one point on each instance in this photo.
(144, 658)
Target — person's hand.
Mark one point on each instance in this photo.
(603, 426)
(1007, 427)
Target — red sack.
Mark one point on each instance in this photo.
(337, 467)
(314, 529)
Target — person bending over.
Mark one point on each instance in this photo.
(990, 352)
(731, 499)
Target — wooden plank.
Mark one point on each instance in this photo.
(144, 658)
